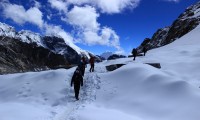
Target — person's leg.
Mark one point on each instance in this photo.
(92, 67)
(76, 89)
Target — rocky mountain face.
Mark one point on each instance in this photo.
(115, 56)
(58, 45)
(186, 22)
(27, 51)
(17, 56)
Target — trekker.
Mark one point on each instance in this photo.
(134, 52)
(92, 64)
(77, 80)
(82, 65)
(144, 50)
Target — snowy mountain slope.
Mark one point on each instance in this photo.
(31, 37)
(142, 92)
(135, 91)
(106, 54)
(24, 35)
(186, 22)
(6, 30)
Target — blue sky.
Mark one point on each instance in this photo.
(94, 25)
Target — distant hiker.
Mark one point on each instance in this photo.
(144, 50)
(82, 65)
(77, 80)
(134, 52)
(92, 64)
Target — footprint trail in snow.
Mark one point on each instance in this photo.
(87, 95)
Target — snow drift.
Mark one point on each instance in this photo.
(135, 91)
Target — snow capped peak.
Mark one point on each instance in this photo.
(6, 30)
(106, 54)
(30, 37)
(191, 12)
(24, 35)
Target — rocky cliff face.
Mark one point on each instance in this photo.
(17, 56)
(27, 51)
(58, 45)
(186, 22)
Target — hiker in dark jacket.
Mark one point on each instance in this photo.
(134, 52)
(82, 65)
(92, 64)
(144, 50)
(77, 80)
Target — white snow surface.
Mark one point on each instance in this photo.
(136, 91)
(30, 37)
(6, 30)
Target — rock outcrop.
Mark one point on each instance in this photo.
(186, 22)
(17, 56)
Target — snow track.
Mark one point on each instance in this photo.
(87, 95)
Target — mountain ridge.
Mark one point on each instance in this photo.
(186, 22)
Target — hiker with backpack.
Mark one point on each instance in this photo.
(77, 80)
(92, 64)
(83, 65)
(134, 52)
(144, 50)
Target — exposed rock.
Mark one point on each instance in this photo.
(115, 56)
(156, 65)
(113, 67)
(58, 45)
(186, 22)
(99, 58)
(54, 43)
(17, 56)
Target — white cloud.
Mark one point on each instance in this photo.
(20, 15)
(109, 36)
(89, 31)
(83, 17)
(116, 6)
(37, 4)
(58, 31)
(105, 6)
(172, 0)
(58, 4)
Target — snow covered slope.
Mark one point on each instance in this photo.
(140, 92)
(24, 35)
(135, 91)
(30, 37)
(6, 30)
